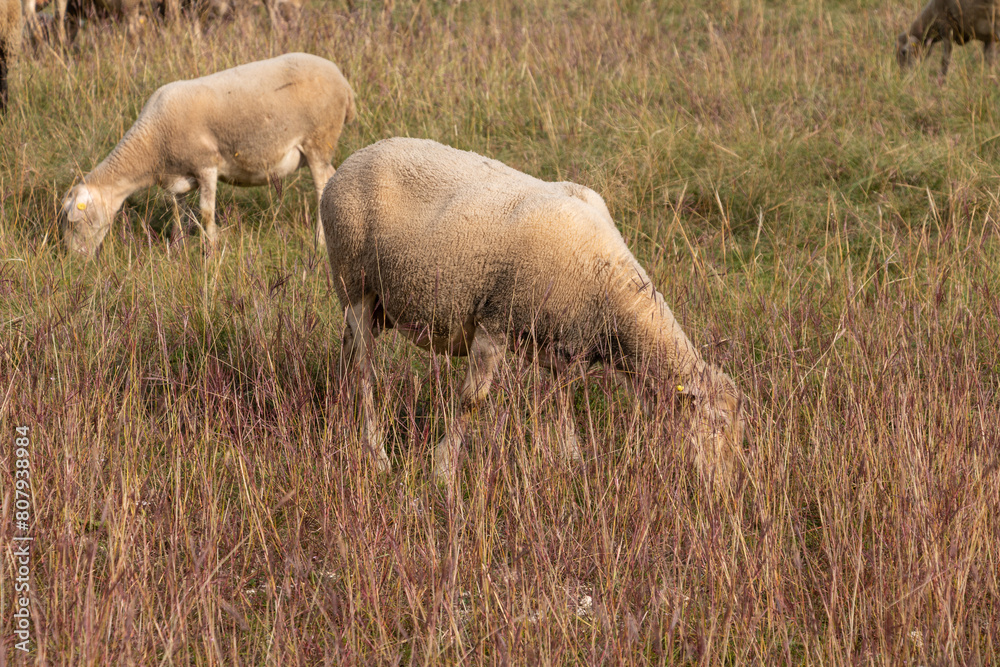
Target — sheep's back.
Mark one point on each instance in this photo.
(970, 19)
(443, 236)
(259, 106)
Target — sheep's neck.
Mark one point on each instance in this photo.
(649, 335)
(129, 167)
(926, 25)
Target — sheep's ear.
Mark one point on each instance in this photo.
(685, 390)
(77, 201)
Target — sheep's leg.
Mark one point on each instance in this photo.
(133, 22)
(568, 442)
(321, 171)
(207, 182)
(358, 343)
(30, 14)
(171, 10)
(177, 225)
(945, 55)
(483, 356)
(272, 13)
(563, 376)
(61, 21)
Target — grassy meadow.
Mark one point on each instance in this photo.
(824, 227)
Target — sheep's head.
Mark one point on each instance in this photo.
(85, 220)
(908, 50)
(712, 414)
(715, 425)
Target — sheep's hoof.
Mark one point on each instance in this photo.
(445, 455)
(210, 244)
(571, 449)
(175, 241)
(569, 445)
(375, 442)
(177, 232)
(382, 464)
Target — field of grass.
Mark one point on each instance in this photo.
(824, 227)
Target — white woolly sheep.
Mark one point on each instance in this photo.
(10, 42)
(467, 256)
(244, 126)
(948, 21)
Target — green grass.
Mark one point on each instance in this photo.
(824, 227)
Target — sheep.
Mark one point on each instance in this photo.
(948, 21)
(245, 126)
(10, 42)
(465, 256)
(71, 11)
(281, 12)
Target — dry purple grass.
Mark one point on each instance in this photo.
(199, 492)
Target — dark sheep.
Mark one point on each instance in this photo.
(948, 21)
(10, 40)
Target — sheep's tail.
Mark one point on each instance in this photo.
(351, 112)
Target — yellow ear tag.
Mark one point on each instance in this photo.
(680, 388)
(82, 206)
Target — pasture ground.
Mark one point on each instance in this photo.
(824, 226)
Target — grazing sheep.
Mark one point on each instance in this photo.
(10, 42)
(467, 256)
(245, 126)
(281, 12)
(71, 11)
(948, 21)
